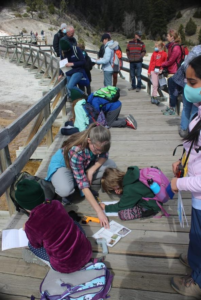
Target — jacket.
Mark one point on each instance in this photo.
(56, 40)
(192, 183)
(174, 58)
(107, 59)
(102, 104)
(133, 191)
(157, 59)
(81, 119)
(50, 226)
(135, 50)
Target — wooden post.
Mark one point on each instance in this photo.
(49, 133)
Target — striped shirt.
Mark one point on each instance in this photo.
(135, 50)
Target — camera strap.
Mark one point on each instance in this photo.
(187, 156)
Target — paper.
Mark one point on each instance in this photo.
(62, 65)
(14, 238)
(112, 235)
(181, 211)
(111, 214)
(93, 60)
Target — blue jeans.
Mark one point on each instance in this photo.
(73, 80)
(189, 109)
(174, 90)
(108, 78)
(136, 70)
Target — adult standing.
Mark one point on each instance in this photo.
(70, 31)
(135, 52)
(106, 60)
(61, 33)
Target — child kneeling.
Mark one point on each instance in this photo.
(53, 236)
(131, 205)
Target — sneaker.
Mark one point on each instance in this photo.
(184, 260)
(131, 89)
(65, 201)
(154, 101)
(186, 286)
(170, 112)
(137, 90)
(131, 119)
(183, 133)
(29, 257)
(129, 124)
(165, 109)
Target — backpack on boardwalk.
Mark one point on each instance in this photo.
(110, 93)
(90, 283)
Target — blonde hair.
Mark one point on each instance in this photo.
(73, 106)
(176, 36)
(112, 178)
(161, 45)
(96, 133)
(81, 45)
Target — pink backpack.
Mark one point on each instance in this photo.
(160, 178)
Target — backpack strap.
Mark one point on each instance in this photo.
(75, 52)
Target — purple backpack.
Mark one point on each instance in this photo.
(92, 282)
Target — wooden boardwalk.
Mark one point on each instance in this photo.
(144, 261)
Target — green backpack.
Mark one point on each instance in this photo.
(110, 93)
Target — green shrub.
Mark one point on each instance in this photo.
(87, 34)
(199, 37)
(24, 30)
(18, 15)
(191, 27)
(40, 15)
(51, 8)
(178, 15)
(197, 14)
(51, 29)
(25, 15)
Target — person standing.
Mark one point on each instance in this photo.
(135, 52)
(70, 31)
(61, 33)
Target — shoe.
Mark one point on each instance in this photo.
(131, 119)
(29, 257)
(184, 260)
(170, 112)
(137, 90)
(183, 133)
(65, 201)
(165, 109)
(131, 89)
(154, 101)
(129, 124)
(186, 286)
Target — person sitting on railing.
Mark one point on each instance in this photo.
(54, 238)
(81, 162)
(158, 57)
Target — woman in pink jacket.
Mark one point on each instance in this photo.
(191, 285)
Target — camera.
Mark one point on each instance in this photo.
(180, 172)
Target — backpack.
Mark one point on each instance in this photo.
(94, 115)
(88, 62)
(110, 93)
(47, 187)
(182, 54)
(117, 61)
(91, 282)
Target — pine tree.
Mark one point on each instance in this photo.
(191, 27)
(199, 37)
(158, 24)
(182, 34)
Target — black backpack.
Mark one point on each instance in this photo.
(88, 62)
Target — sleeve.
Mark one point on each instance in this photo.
(127, 50)
(151, 64)
(33, 237)
(143, 49)
(173, 57)
(104, 155)
(56, 44)
(80, 117)
(106, 58)
(191, 184)
(81, 61)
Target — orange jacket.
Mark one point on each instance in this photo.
(157, 59)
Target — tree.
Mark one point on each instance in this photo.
(31, 6)
(191, 27)
(158, 24)
(63, 8)
(199, 37)
(129, 24)
(178, 15)
(182, 34)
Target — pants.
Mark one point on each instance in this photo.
(115, 78)
(113, 120)
(73, 80)
(187, 113)
(107, 78)
(135, 213)
(63, 180)
(174, 90)
(136, 70)
(154, 79)
(194, 250)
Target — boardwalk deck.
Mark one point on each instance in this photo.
(145, 260)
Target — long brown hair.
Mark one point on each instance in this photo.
(176, 36)
(73, 107)
(96, 133)
(112, 178)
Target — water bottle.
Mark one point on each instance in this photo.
(156, 189)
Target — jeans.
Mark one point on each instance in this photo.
(136, 70)
(113, 120)
(174, 90)
(108, 78)
(189, 109)
(73, 80)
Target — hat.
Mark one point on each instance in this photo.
(139, 33)
(63, 25)
(64, 43)
(76, 94)
(29, 194)
(105, 36)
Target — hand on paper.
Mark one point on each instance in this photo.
(103, 220)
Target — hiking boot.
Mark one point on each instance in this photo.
(165, 109)
(170, 112)
(29, 257)
(183, 133)
(131, 89)
(137, 90)
(186, 286)
(130, 123)
(131, 119)
(184, 260)
(154, 101)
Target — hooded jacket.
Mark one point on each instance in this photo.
(133, 191)
(107, 60)
(174, 58)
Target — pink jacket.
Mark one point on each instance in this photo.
(192, 183)
(174, 57)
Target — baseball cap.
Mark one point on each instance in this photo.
(139, 33)
(105, 36)
(63, 25)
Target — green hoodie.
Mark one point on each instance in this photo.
(133, 191)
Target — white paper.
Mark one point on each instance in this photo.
(112, 235)
(181, 212)
(156, 70)
(111, 214)
(62, 65)
(14, 238)
(93, 60)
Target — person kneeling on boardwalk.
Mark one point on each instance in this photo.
(136, 195)
(54, 238)
(81, 162)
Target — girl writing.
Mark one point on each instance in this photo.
(190, 285)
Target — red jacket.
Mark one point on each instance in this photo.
(174, 58)
(157, 59)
